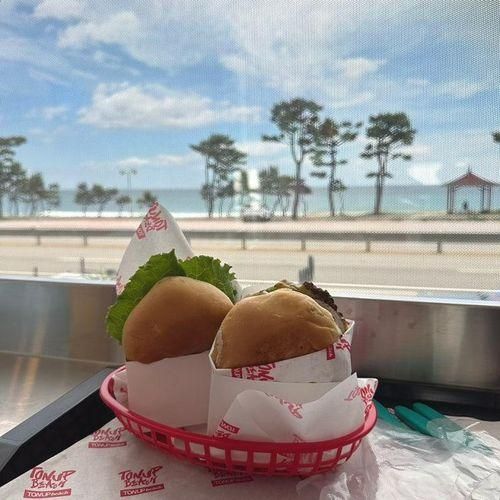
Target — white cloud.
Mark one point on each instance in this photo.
(113, 62)
(132, 162)
(48, 135)
(261, 148)
(15, 48)
(460, 89)
(315, 48)
(358, 67)
(59, 9)
(155, 106)
(417, 150)
(51, 112)
(425, 173)
(115, 29)
(160, 160)
(42, 76)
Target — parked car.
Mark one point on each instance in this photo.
(255, 214)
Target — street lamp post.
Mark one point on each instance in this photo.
(129, 172)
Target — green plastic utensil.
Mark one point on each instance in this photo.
(412, 419)
(384, 414)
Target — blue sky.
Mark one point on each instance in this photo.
(97, 86)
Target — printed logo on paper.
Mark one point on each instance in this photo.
(260, 372)
(226, 430)
(367, 392)
(343, 345)
(330, 352)
(107, 438)
(293, 408)
(139, 482)
(48, 484)
(353, 394)
(223, 478)
(152, 222)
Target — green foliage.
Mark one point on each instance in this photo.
(52, 196)
(388, 134)
(101, 196)
(11, 171)
(222, 159)
(122, 201)
(160, 266)
(296, 121)
(279, 186)
(496, 136)
(147, 199)
(83, 196)
(329, 136)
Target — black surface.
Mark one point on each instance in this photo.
(70, 418)
(456, 401)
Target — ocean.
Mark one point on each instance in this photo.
(357, 200)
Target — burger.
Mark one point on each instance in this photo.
(282, 322)
(171, 307)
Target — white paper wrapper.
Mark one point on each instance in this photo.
(298, 380)
(181, 398)
(261, 416)
(157, 233)
(172, 391)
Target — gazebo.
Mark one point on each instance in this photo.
(470, 180)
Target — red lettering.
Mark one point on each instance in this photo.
(261, 372)
(140, 478)
(330, 352)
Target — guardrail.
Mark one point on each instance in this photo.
(244, 236)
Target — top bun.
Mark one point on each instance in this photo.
(273, 327)
(177, 317)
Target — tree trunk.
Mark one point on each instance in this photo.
(382, 169)
(331, 182)
(230, 207)
(331, 192)
(1, 206)
(275, 205)
(296, 194)
(378, 194)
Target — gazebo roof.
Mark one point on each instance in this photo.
(470, 179)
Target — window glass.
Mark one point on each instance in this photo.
(364, 135)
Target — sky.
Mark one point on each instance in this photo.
(98, 86)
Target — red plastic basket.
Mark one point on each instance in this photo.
(270, 459)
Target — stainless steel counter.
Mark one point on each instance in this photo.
(29, 383)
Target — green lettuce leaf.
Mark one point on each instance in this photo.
(212, 271)
(160, 266)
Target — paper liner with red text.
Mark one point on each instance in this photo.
(157, 233)
(332, 364)
(111, 463)
(260, 416)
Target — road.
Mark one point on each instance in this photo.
(415, 265)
